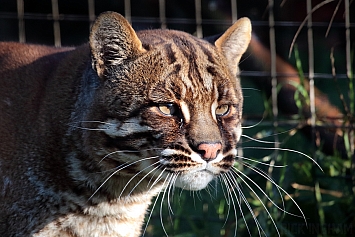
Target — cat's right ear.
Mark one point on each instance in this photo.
(234, 42)
(113, 40)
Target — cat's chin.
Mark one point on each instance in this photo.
(194, 181)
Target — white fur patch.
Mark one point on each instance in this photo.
(168, 152)
(213, 110)
(202, 174)
(121, 219)
(114, 128)
(194, 181)
(196, 178)
(185, 111)
(238, 131)
(110, 127)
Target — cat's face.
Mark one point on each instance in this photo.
(169, 105)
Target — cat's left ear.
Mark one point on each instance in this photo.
(234, 42)
(113, 40)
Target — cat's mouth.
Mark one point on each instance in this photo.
(193, 176)
(192, 171)
(195, 180)
(175, 161)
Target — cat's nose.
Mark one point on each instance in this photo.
(209, 151)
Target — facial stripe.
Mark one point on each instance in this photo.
(207, 52)
(172, 152)
(185, 111)
(189, 51)
(197, 77)
(213, 110)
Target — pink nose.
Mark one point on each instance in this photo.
(209, 151)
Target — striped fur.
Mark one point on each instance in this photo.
(112, 123)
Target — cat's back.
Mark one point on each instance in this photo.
(14, 54)
(24, 70)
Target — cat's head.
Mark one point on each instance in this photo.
(169, 104)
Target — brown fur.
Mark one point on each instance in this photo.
(69, 115)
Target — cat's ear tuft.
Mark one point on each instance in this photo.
(112, 40)
(234, 42)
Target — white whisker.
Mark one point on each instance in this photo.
(170, 186)
(285, 149)
(140, 179)
(266, 176)
(257, 196)
(168, 178)
(221, 177)
(127, 151)
(229, 180)
(123, 166)
(227, 196)
(207, 189)
(271, 135)
(151, 211)
(154, 175)
(171, 189)
(90, 129)
(157, 179)
(95, 121)
(259, 162)
(258, 140)
(198, 195)
(252, 89)
(150, 214)
(270, 179)
(252, 126)
(242, 196)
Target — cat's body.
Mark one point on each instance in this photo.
(90, 134)
(40, 190)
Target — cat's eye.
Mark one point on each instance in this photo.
(168, 109)
(222, 110)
